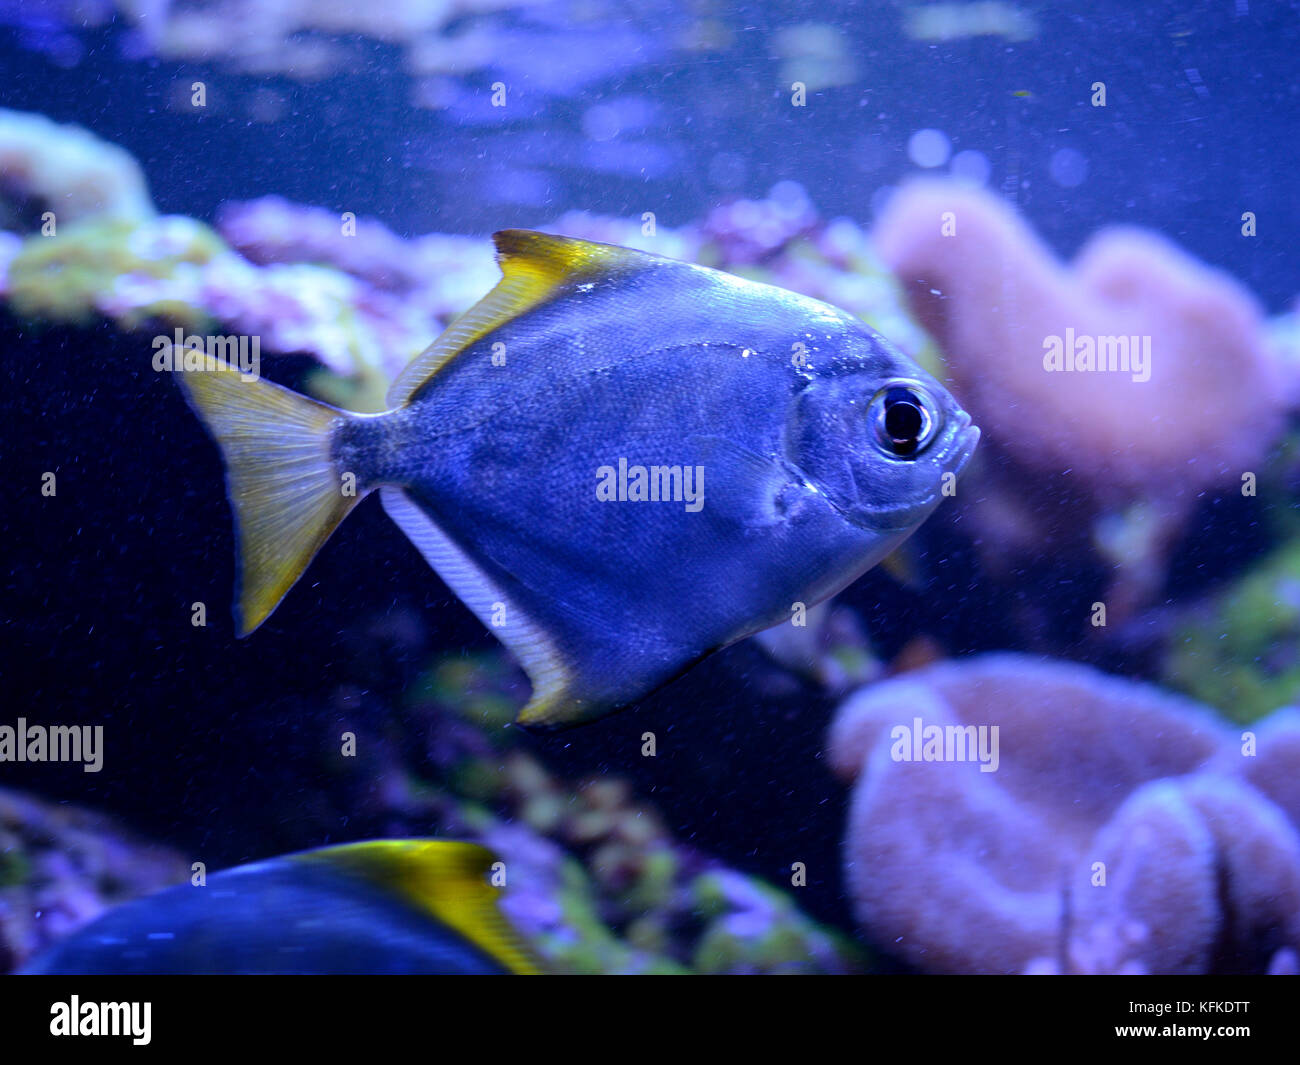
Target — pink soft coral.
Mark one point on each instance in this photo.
(992, 293)
(1123, 829)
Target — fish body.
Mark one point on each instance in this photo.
(620, 463)
(388, 906)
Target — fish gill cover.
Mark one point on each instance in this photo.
(1023, 707)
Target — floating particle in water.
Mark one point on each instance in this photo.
(1194, 79)
(267, 106)
(727, 171)
(631, 158)
(601, 123)
(971, 166)
(880, 199)
(929, 147)
(871, 153)
(619, 116)
(1068, 168)
(521, 187)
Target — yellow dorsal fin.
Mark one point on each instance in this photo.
(554, 259)
(534, 266)
(446, 880)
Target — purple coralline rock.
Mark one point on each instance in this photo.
(683, 243)
(274, 230)
(748, 231)
(62, 866)
(401, 291)
(1104, 827)
(536, 883)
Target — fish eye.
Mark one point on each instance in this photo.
(904, 418)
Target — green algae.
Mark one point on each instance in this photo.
(768, 934)
(66, 277)
(1242, 652)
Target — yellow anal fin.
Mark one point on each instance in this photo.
(287, 495)
(557, 708)
(534, 266)
(444, 879)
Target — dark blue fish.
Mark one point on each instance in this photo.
(387, 906)
(620, 463)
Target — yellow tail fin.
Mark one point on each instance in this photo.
(283, 485)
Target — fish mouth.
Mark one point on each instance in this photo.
(961, 445)
(957, 445)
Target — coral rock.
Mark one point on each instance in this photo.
(992, 294)
(1121, 829)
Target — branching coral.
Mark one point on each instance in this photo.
(1123, 829)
